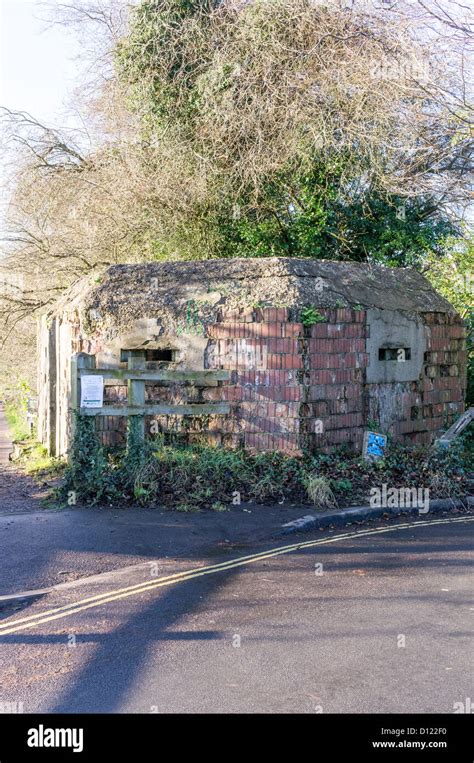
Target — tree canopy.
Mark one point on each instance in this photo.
(333, 129)
(300, 127)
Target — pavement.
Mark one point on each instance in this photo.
(375, 618)
(64, 545)
(59, 546)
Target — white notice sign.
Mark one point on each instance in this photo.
(92, 391)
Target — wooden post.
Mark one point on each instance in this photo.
(447, 438)
(78, 361)
(136, 397)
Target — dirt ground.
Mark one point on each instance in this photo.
(18, 492)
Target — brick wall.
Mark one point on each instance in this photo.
(336, 360)
(437, 398)
(293, 387)
(262, 349)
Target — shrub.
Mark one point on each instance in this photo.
(309, 316)
(193, 477)
(319, 491)
(88, 474)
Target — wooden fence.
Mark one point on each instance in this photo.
(135, 377)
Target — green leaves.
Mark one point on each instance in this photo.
(240, 104)
(88, 473)
(195, 477)
(309, 316)
(321, 216)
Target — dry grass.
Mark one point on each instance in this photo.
(319, 492)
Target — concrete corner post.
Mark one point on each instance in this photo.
(136, 397)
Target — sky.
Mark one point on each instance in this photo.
(39, 71)
(38, 65)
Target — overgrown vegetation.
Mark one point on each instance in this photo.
(309, 316)
(324, 215)
(16, 407)
(194, 477)
(470, 359)
(16, 421)
(220, 129)
(336, 104)
(453, 277)
(35, 461)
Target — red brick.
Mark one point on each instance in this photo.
(349, 360)
(343, 346)
(317, 392)
(344, 315)
(273, 393)
(281, 344)
(274, 361)
(441, 343)
(322, 376)
(320, 330)
(292, 329)
(354, 330)
(232, 394)
(322, 345)
(293, 361)
(269, 314)
(362, 359)
(258, 330)
(320, 408)
(320, 360)
(267, 377)
(341, 436)
(315, 424)
(457, 332)
(338, 406)
(352, 390)
(334, 391)
(335, 330)
(273, 314)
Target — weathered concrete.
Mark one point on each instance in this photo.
(394, 329)
(145, 334)
(47, 382)
(179, 291)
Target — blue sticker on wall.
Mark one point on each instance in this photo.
(374, 445)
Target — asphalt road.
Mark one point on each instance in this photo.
(46, 547)
(384, 625)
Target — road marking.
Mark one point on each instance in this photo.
(14, 626)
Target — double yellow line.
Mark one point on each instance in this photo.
(14, 626)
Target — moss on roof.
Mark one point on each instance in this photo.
(172, 291)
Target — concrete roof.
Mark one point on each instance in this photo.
(126, 293)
